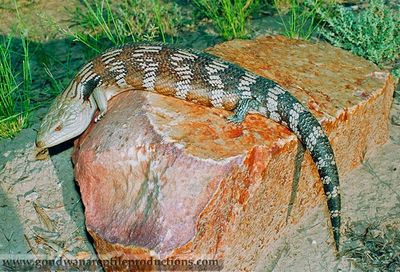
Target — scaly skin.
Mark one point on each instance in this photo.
(192, 76)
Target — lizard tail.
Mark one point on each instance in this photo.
(311, 134)
(322, 154)
(307, 128)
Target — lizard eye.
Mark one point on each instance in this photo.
(58, 128)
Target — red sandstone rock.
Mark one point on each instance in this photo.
(164, 178)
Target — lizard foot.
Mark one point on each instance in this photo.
(235, 119)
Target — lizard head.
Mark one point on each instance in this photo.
(68, 117)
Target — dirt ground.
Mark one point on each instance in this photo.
(29, 198)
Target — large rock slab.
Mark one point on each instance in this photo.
(166, 179)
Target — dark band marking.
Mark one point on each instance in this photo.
(89, 86)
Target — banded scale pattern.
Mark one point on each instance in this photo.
(199, 78)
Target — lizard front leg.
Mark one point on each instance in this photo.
(100, 98)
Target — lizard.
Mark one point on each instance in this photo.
(196, 77)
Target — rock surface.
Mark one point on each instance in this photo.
(164, 178)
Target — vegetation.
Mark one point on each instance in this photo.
(123, 21)
(229, 17)
(373, 33)
(301, 21)
(374, 246)
(14, 89)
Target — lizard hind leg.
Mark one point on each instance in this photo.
(243, 107)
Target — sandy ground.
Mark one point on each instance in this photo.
(36, 17)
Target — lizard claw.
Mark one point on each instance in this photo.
(99, 117)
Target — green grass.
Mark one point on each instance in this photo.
(301, 20)
(123, 21)
(229, 17)
(373, 33)
(58, 66)
(14, 89)
(56, 86)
